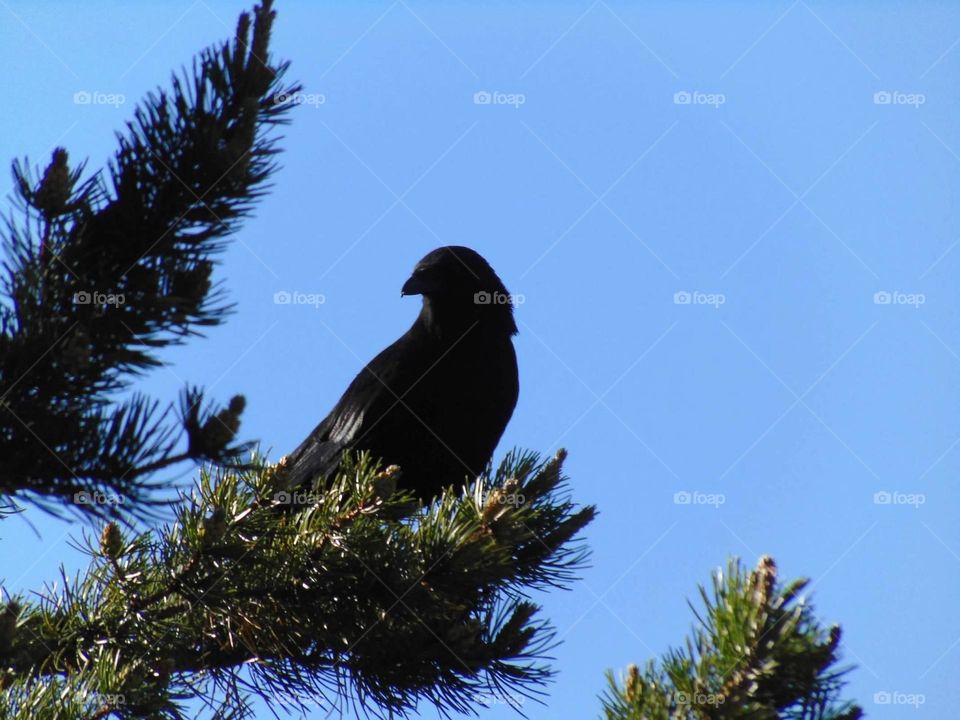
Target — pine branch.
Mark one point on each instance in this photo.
(357, 596)
(100, 274)
(759, 652)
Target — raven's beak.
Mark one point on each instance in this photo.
(413, 286)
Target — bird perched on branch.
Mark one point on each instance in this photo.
(437, 400)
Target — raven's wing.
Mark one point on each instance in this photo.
(317, 456)
(368, 398)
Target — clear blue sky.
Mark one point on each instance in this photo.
(786, 187)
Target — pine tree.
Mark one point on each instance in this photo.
(758, 651)
(365, 599)
(101, 274)
(360, 597)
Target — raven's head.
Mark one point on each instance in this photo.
(459, 287)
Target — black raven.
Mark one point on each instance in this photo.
(437, 400)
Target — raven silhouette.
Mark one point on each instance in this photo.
(437, 400)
